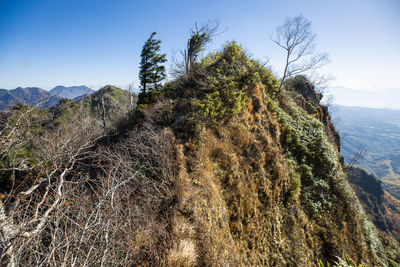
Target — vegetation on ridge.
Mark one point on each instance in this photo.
(213, 169)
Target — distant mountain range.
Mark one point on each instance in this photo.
(36, 96)
(28, 96)
(72, 91)
(376, 132)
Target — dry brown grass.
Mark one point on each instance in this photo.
(227, 200)
(237, 198)
(183, 254)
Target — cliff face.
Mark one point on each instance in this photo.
(253, 194)
(306, 97)
(381, 208)
(264, 186)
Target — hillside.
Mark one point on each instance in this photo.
(34, 96)
(382, 209)
(30, 96)
(98, 113)
(110, 103)
(211, 170)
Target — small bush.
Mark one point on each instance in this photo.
(231, 76)
(224, 100)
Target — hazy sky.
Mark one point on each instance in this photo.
(94, 42)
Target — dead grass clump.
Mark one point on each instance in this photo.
(183, 254)
(257, 97)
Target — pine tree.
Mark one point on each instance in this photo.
(151, 71)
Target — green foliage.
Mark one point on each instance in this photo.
(347, 262)
(199, 37)
(313, 157)
(232, 74)
(139, 111)
(297, 83)
(321, 264)
(392, 263)
(224, 100)
(220, 88)
(267, 78)
(66, 110)
(151, 72)
(295, 174)
(193, 126)
(117, 94)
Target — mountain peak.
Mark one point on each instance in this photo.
(33, 95)
(71, 92)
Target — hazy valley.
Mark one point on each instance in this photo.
(376, 133)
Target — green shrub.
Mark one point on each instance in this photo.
(304, 142)
(347, 262)
(224, 100)
(144, 98)
(231, 75)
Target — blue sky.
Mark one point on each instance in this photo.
(96, 42)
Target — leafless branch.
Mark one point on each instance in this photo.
(296, 38)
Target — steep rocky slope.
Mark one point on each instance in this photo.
(382, 209)
(259, 180)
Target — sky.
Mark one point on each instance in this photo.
(46, 43)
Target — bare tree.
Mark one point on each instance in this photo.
(296, 38)
(103, 118)
(319, 81)
(133, 99)
(37, 182)
(357, 156)
(200, 36)
(79, 203)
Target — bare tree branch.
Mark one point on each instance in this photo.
(296, 38)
